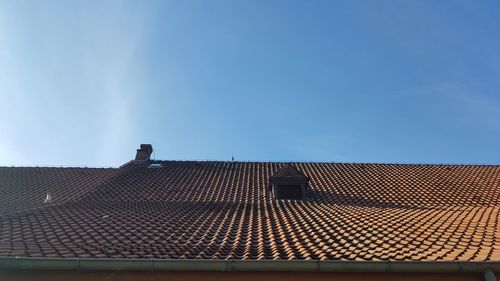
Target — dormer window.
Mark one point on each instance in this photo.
(289, 183)
(289, 191)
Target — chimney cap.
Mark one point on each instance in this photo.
(144, 152)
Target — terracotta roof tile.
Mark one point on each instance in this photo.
(224, 210)
(24, 188)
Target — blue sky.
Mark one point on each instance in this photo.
(85, 82)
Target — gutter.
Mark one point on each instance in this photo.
(155, 265)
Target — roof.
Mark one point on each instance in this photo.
(24, 188)
(224, 210)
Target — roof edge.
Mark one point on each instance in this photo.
(111, 264)
(464, 164)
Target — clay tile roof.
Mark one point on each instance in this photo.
(26, 187)
(224, 210)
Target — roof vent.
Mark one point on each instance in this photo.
(48, 198)
(289, 183)
(155, 166)
(144, 153)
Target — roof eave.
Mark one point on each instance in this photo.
(112, 264)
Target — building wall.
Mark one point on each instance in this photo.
(10, 275)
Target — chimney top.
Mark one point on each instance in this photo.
(144, 152)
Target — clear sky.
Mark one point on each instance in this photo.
(85, 82)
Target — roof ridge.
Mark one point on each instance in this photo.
(332, 162)
(60, 167)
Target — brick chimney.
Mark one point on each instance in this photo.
(144, 153)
